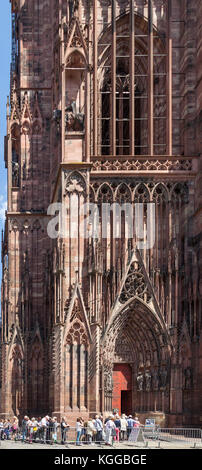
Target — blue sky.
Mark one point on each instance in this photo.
(5, 59)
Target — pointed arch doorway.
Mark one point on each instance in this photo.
(122, 388)
(136, 358)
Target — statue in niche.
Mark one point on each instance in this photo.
(15, 173)
(74, 121)
(108, 381)
(57, 113)
(148, 378)
(140, 380)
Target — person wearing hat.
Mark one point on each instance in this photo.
(130, 425)
(137, 423)
(110, 430)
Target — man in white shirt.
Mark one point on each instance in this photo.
(44, 427)
(99, 429)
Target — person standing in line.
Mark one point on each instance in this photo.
(14, 427)
(90, 430)
(130, 425)
(110, 430)
(40, 429)
(64, 427)
(99, 429)
(54, 430)
(137, 423)
(123, 427)
(24, 428)
(79, 426)
(49, 431)
(1, 431)
(32, 429)
(29, 430)
(117, 423)
(83, 431)
(7, 428)
(44, 422)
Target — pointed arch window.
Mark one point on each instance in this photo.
(122, 114)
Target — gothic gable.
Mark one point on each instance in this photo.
(15, 111)
(26, 112)
(76, 39)
(16, 339)
(136, 283)
(36, 337)
(76, 317)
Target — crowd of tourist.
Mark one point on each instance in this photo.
(48, 430)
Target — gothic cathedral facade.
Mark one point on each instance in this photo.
(105, 108)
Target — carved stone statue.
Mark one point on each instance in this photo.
(73, 121)
(108, 381)
(140, 381)
(148, 378)
(75, 183)
(15, 173)
(57, 113)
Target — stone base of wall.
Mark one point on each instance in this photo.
(159, 416)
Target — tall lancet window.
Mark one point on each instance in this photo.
(131, 97)
(122, 116)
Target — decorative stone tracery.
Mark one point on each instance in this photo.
(76, 353)
(135, 285)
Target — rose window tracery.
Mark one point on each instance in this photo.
(135, 285)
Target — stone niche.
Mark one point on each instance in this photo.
(74, 107)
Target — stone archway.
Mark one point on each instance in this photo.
(137, 338)
(16, 380)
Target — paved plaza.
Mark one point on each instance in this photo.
(126, 445)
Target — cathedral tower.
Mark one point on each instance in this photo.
(104, 111)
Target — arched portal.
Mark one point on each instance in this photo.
(16, 369)
(36, 377)
(136, 354)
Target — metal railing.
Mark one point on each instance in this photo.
(145, 436)
(180, 436)
(155, 436)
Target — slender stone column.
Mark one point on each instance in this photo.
(95, 80)
(132, 78)
(82, 377)
(113, 72)
(150, 80)
(169, 80)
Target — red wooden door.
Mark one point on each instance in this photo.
(122, 382)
